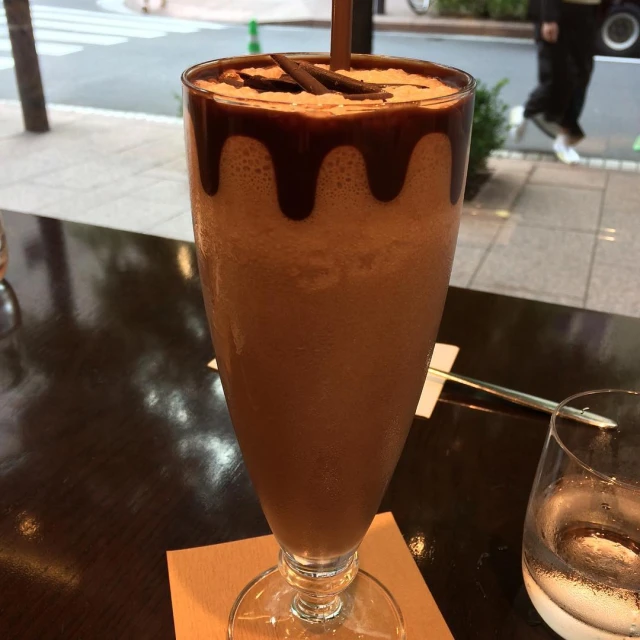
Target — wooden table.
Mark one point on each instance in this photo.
(115, 443)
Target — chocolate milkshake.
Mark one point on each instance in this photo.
(325, 227)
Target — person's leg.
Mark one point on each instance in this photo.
(547, 102)
(539, 98)
(550, 96)
(581, 51)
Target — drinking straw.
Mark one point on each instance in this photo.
(341, 19)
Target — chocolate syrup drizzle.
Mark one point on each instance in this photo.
(298, 143)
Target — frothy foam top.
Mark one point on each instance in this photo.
(407, 101)
(403, 87)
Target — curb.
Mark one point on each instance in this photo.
(447, 26)
(608, 164)
(107, 113)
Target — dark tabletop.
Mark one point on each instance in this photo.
(115, 443)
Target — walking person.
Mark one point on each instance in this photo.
(565, 33)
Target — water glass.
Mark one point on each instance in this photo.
(581, 551)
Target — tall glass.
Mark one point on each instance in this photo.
(581, 552)
(325, 240)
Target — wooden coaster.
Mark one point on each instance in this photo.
(205, 582)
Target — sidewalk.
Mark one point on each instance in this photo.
(536, 230)
(398, 16)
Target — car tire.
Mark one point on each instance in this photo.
(619, 33)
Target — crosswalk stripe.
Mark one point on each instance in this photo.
(74, 38)
(87, 27)
(159, 21)
(172, 26)
(45, 48)
(60, 31)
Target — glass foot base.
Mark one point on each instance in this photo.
(263, 611)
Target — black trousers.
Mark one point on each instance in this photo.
(564, 69)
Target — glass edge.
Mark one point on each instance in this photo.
(468, 89)
(553, 432)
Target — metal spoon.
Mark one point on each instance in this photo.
(526, 400)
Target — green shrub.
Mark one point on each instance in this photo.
(489, 126)
(496, 9)
(507, 9)
(461, 7)
(178, 98)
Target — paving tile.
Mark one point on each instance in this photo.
(619, 244)
(509, 165)
(568, 301)
(500, 191)
(615, 221)
(568, 176)
(552, 261)
(173, 170)
(179, 227)
(157, 152)
(28, 197)
(21, 143)
(625, 185)
(88, 175)
(114, 139)
(622, 194)
(78, 206)
(11, 122)
(614, 289)
(25, 166)
(133, 214)
(559, 207)
(58, 118)
(88, 122)
(9, 111)
(465, 264)
(9, 127)
(166, 191)
(478, 230)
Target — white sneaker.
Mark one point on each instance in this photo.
(517, 124)
(564, 151)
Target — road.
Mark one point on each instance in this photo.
(125, 61)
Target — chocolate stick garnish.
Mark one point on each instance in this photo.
(339, 82)
(378, 95)
(341, 21)
(404, 84)
(234, 82)
(262, 83)
(232, 78)
(302, 77)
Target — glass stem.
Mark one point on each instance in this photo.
(318, 586)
